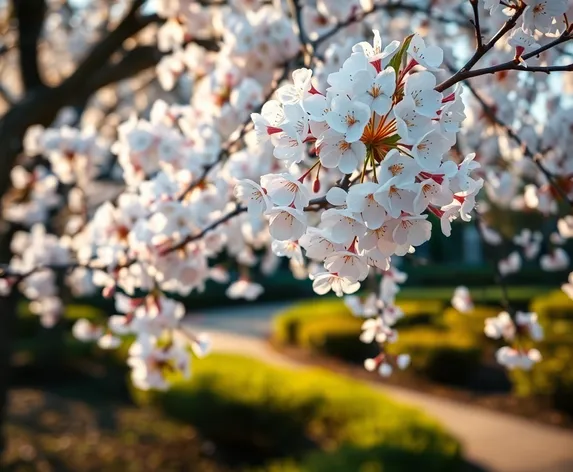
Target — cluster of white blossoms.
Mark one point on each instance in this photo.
(345, 169)
(160, 351)
(513, 180)
(384, 130)
(462, 300)
(33, 251)
(518, 329)
(382, 313)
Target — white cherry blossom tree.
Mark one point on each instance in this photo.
(328, 132)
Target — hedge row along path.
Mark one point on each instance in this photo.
(494, 441)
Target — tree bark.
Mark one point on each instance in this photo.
(40, 105)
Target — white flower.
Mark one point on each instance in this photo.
(348, 117)
(109, 341)
(462, 300)
(374, 329)
(490, 236)
(555, 261)
(325, 282)
(430, 192)
(290, 249)
(500, 326)
(429, 150)
(244, 289)
(347, 264)
(430, 57)
(565, 227)
(540, 14)
(252, 194)
(201, 344)
(412, 230)
(85, 331)
(288, 146)
(375, 90)
(336, 196)
(420, 87)
(286, 223)
(510, 265)
(361, 200)
(335, 151)
(318, 244)
(269, 121)
(293, 93)
(529, 322)
(411, 124)
(568, 287)
(403, 361)
(343, 225)
(395, 199)
(522, 42)
(285, 190)
(514, 359)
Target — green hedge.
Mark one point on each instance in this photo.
(332, 312)
(444, 348)
(442, 356)
(472, 322)
(553, 306)
(550, 380)
(44, 352)
(337, 337)
(324, 422)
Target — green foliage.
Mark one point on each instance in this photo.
(29, 324)
(243, 404)
(553, 306)
(472, 322)
(398, 60)
(286, 325)
(336, 318)
(337, 337)
(442, 356)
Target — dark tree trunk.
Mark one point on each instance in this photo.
(40, 105)
(7, 328)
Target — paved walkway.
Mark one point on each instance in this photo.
(492, 440)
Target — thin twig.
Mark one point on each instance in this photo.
(534, 157)
(477, 25)
(482, 51)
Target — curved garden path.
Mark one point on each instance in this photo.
(492, 440)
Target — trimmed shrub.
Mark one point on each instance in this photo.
(287, 326)
(243, 404)
(442, 356)
(472, 322)
(337, 337)
(29, 324)
(551, 380)
(553, 306)
(45, 353)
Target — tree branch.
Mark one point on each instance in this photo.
(534, 157)
(482, 51)
(30, 15)
(477, 25)
(512, 65)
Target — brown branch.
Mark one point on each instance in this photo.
(30, 15)
(243, 130)
(483, 50)
(392, 7)
(512, 65)
(534, 157)
(476, 23)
